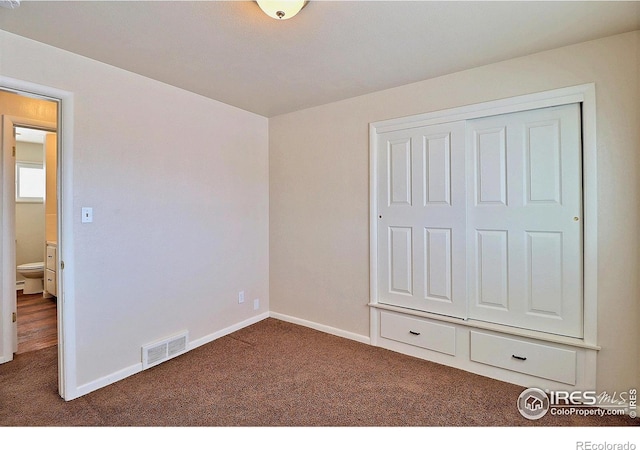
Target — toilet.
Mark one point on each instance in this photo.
(34, 277)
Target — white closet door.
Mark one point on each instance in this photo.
(524, 220)
(421, 219)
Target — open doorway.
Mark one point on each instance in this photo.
(24, 113)
(36, 237)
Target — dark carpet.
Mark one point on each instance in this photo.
(275, 374)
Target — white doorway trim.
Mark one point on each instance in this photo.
(67, 382)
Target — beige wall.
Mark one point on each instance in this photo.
(179, 189)
(51, 206)
(319, 197)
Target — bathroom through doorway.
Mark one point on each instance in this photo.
(36, 237)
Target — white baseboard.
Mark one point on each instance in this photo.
(136, 368)
(218, 334)
(19, 285)
(104, 381)
(323, 328)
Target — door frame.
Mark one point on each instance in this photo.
(66, 302)
(9, 123)
(583, 94)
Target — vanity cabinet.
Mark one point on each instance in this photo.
(50, 273)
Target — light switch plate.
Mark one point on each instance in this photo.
(87, 215)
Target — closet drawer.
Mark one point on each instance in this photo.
(539, 360)
(50, 282)
(419, 332)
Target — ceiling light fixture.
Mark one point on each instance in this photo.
(281, 10)
(11, 4)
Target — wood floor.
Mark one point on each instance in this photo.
(37, 322)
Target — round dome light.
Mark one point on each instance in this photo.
(281, 10)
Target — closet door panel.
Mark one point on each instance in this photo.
(421, 185)
(540, 211)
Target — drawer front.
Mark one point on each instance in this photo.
(51, 257)
(539, 360)
(418, 332)
(50, 282)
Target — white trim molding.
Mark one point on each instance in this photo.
(319, 327)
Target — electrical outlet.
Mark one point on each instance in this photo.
(241, 297)
(256, 303)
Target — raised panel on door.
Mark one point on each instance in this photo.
(543, 268)
(492, 280)
(533, 271)
(436, 159)
(430, 215)
(399, 172)
(400, 269)
(490, 166)
(438, 282)
(543, 165)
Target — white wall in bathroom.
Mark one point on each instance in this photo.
(30, 235)
(179, 188)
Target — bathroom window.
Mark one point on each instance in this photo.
(30, 182)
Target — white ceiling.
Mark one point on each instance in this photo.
(232, 52)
